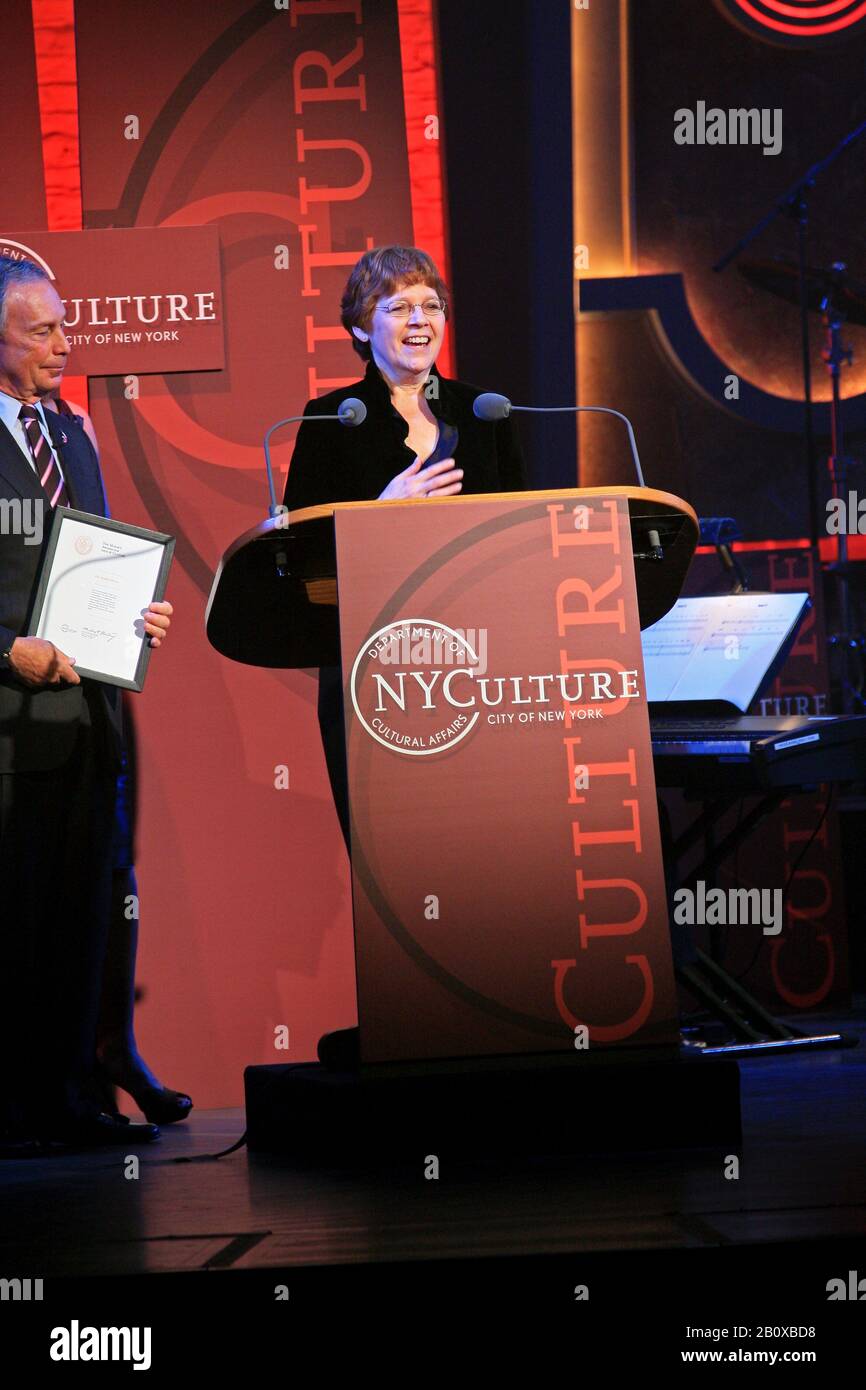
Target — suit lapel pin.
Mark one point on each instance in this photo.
(63, 439)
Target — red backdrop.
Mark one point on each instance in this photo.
(286, 130)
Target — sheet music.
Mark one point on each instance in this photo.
(719, 647)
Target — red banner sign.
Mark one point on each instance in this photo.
(138, 300)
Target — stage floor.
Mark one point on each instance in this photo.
(802, 1176)
(667, 1227)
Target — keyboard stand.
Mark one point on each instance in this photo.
(755, 1030)
(753, 1027)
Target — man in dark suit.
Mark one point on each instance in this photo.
(60, 740)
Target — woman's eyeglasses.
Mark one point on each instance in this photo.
(401, 308)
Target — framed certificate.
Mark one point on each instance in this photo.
(98, 577)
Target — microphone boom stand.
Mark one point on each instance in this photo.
(794, 203)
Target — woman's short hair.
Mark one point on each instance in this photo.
(380, 272)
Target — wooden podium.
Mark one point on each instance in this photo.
(508, 888)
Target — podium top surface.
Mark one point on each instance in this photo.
(640, 498)
(274, 596)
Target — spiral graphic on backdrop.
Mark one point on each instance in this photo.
(798, 22)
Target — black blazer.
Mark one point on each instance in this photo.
(343, 463)
(38, 729)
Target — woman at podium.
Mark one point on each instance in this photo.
(420, 437)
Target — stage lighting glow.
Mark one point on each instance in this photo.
(803, 20)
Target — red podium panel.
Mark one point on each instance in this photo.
(507, 876)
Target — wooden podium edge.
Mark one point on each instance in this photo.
(323, 510)
(641, 501)
(631, 494)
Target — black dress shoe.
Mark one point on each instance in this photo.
(97, 1131)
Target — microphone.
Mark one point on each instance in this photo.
(349, 412)
(489, 405)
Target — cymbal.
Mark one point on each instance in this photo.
(781, 278)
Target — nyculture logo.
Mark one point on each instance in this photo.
(437, 695)
(797, 22)
(107, 311)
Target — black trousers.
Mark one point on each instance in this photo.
(55, 890)
(331, 728)
(339, 1051)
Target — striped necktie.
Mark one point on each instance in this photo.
(47, 468)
